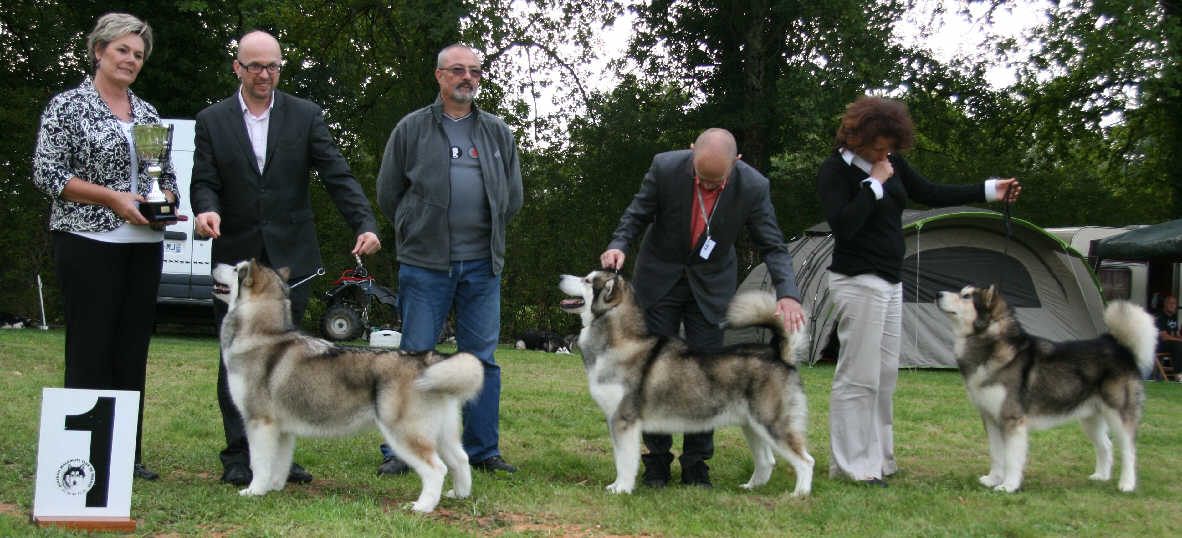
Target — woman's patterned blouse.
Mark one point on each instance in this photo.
(80, 137)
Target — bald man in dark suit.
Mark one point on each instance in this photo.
(250, 192)
(694, 203)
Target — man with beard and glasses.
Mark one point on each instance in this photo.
(450, 181)
(254, 152)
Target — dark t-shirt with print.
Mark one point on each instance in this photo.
(1168, 323)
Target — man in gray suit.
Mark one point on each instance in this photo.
(250, 193)
(694, 203)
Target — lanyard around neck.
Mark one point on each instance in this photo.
(702, 206)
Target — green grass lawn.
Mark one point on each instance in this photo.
(555, 433)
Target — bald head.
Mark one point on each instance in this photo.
(715, 153)
(257, 66)
(258, 42)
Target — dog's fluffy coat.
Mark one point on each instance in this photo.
(647, 383)
(285, 383)
(1019, 381)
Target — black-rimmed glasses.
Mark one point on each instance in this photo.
(256, 68)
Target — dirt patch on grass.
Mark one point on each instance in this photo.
(206, 530)
(500, 523)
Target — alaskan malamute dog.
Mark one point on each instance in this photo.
(1019, 381)
(647, 383)
(285, 384)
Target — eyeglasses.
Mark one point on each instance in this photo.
(256, 68)
(459, 70)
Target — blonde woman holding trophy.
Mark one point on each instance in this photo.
(107, 251)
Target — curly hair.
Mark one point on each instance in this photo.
(868, 118)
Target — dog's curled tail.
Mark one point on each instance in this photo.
(461, 375)
(758, 309)
(1133, 327)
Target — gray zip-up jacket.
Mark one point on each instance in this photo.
(414, 184)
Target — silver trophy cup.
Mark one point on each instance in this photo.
(153, 144)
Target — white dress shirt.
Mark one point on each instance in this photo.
(256, 129)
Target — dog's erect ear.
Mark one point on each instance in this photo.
(982, 307)
(246, 274)
(609, 289)
(284, 273)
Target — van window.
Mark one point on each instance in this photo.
(1116, 282)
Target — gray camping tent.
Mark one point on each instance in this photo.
(1049, 284)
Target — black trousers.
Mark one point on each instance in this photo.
(237, 451)
(109, 295)
(665, 318)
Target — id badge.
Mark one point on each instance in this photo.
(707, 247)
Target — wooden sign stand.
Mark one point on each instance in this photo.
(88, 523)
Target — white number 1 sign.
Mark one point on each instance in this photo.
(84, 458)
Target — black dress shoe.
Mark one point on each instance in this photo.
(391, 465)
(697, 474)
(238, 475)
(139, 471)
(493, 464)
(297, 475)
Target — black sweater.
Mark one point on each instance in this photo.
(869, 232)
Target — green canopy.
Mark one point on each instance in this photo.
(1160, 242)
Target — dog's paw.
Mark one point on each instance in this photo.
(1006, 488)
(749, 486)
(451, 494)
(990, 481)
(422, 507)
(1127, 486)
(618, 488)
(252, 491)
(1100, 476)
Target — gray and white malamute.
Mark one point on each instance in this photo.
(647, 383)
(1019, 381)
(285, 383)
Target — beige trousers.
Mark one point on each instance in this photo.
(861, 434)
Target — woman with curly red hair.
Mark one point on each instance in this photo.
(864, 187)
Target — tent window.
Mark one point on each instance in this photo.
(952, 268)
(1116, 282)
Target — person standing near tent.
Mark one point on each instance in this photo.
(864, 188)
(697, 201)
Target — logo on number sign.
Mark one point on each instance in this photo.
(75, 477)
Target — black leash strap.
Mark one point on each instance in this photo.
(1009, 237)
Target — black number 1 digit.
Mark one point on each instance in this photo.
(100, 422)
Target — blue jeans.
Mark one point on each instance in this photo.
(425, 297)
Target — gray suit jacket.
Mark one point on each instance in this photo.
(664, 203)
(271, 210)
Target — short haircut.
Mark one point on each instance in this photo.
(113, 26)
(868, 118)
(439, 57)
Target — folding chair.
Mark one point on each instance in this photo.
(1168, 373)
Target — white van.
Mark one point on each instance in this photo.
(185, 278)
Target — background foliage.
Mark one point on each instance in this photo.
(1091, 124)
